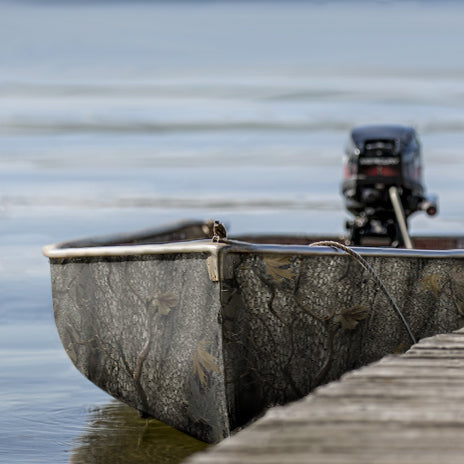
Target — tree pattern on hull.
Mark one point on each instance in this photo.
(206, 357)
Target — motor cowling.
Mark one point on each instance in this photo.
(377, 158)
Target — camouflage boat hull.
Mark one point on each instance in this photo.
(205, 336)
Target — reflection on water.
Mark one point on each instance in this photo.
(116, 434)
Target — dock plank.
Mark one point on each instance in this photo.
(402, 409)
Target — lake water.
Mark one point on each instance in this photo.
(125, 115)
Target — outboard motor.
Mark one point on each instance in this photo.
(382, 184)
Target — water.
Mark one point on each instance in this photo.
(125, 115)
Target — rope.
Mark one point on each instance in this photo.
(357, 257)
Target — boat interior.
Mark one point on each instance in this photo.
(198, 230)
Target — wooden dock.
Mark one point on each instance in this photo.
(402, 409)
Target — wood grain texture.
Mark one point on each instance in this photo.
(402, 409)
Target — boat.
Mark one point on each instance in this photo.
(205, 332)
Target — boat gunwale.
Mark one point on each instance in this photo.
(66, 250)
